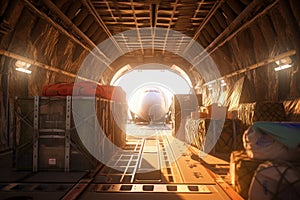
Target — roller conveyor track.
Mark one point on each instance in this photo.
(143, 162)
(149, 173)
(144, 170)
(39, 185)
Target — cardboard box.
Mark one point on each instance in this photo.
(217, 112)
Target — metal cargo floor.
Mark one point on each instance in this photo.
(147, 168)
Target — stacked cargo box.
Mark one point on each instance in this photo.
(249, 113)
(193, 136)
(275, 180)
(242, 169)
(118, 119)
(230, 130)
(46, 136)
(48, 139)
(292, 109)
(181, 108)
(231, 136)
(243, 164)
(268, 167)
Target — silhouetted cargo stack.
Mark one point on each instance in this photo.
(292, 109)
(181, 108)
(275, 142)
(49, 138)
(242, 169)
(231, 136)
(275, 180)
(249, 113)
(193, 136)
(230, 131)
(118, 120)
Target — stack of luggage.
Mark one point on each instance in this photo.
(268, 167)
(249, 113)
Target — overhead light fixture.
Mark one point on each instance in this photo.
(78, 11)
(282, 67)
(283, 63)
(23, 67)
(209, 87)
(223, 83)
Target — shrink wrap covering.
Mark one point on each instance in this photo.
(275, 181)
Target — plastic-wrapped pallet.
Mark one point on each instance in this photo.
(230, 137)
(201, 132)
(119, 119)
(260, 141)
(192, 136)
(182, 106)
(292, 109)
(242, 169)
(261, 111)
(275, 181)
(51, 121)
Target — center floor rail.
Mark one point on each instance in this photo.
(151, 170)
(144, 160)
(152, 165)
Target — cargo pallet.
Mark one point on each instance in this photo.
(46, 129)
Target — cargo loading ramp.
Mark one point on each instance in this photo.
(142, 161)
(186, 178)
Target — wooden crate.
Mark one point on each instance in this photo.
(182, 107)
(48, 118)
(242, 169)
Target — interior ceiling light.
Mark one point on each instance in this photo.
(78, 11)
(223, 83)
(283, 63)
(23, 67)
(282, 67)
(209, 87)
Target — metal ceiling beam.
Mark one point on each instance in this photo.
(42, 65)
(136, 25)
(109, 10)
(115, 2)
(61, 29)
(245, 13)
(169, 26)
(198, 9)
(93, 11)
(237, 21)
(257, 65)
(122, 19)
(244, 26)
(153, 23)
(75, 29)
(207, 18)
(204, 22)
